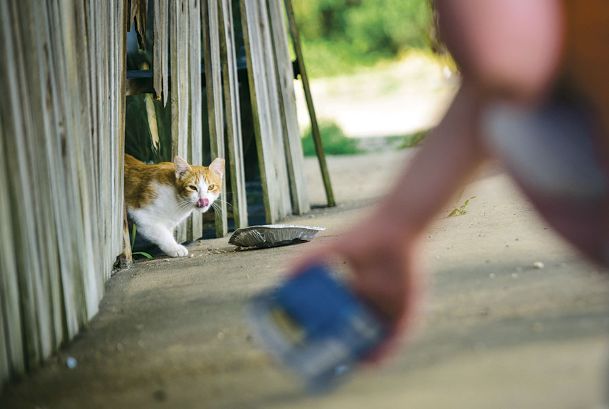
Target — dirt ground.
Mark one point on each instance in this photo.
(497, 332)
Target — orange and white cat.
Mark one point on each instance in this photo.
(161, 196)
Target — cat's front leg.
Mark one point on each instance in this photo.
(163, 238)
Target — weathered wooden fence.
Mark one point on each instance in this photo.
(62, 80)
(62, 70)
(205, 30)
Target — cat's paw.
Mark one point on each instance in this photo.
(177, 251)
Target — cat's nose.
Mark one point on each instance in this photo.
(203, 202)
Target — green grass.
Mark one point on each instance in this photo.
(412, 140)
(335, 142)
(138, 253)
(333, 139)
(461, 210)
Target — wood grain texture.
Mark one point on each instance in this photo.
(232, 109)
(196, 107)
(286, 99)
(213, 85)
(62, 65)
(62, 126)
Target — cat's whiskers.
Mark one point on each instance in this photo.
(217, 207)
(185, 205)
(224, 201)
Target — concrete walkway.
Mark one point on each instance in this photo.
(498, 332)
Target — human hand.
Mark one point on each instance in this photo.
(381, 257)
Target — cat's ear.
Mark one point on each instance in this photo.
(217, 166)
(181, 166)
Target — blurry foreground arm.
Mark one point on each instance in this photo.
(507, 50)
(381, 248)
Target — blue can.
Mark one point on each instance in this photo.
(316, 326)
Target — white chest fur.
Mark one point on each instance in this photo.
(165, 210)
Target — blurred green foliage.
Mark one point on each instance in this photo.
(138, 138)
(333, 140)
(412, 140)
(341, 35)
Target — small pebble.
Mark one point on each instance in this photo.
(492, 276)
(538, 265)
(191, 255)
(71, 362)
(514, 275)
(220, 335)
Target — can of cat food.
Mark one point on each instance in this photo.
(316, 326)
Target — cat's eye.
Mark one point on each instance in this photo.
(193, 187)
(211, 187)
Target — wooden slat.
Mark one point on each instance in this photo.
(213, 83)
(62, 67)
(81, 255)
(265, 111)
(287, 104)
(122, 243)
(269, 70)
(160, 47)
(195, 91)
(165, 55)
(180, 89)
(232, 114)
(17, 162)
(5, 369)
(11, 348)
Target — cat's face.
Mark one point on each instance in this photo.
(199, 186)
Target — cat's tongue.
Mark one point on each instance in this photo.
(203, 202)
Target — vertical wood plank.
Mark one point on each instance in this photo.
(165, 55)
(62, 65)
(11, 350)
(179, 89)
(232, 114)
(196, 108)
(269, 70)
(17, 161)
(287, 105)
(269, 142)
(213, 84)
